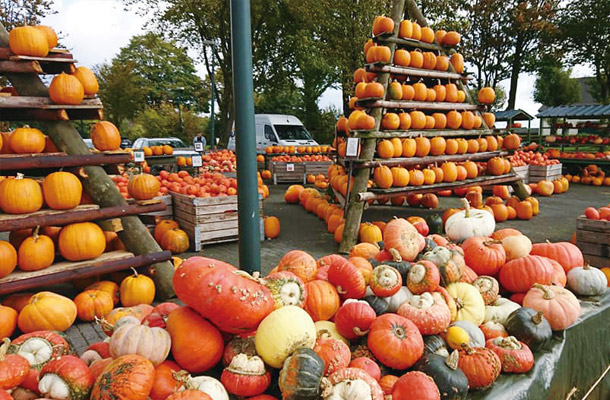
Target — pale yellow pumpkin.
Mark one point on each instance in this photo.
(327, 329)
(469, 302)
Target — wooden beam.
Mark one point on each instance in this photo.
(55, 54)
(418, 105)
(59, 160)
(16, 67)
(407, 42)
(418, 72)
(9, 222)
(67, 271)
(374, 194)
(413, 161)
(25, 114)
(417, 133)
(45, 103)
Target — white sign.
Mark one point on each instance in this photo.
(197, 162)
(290, 167)
(138, 156)
(198, 146)
(352, 147)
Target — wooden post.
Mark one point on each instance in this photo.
(98, 185)
(356, 207)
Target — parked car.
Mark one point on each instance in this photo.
(277, 130)
(126, 143)
(89, 143)
(180, 148)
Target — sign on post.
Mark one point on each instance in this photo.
(197, 161)
(138, 156)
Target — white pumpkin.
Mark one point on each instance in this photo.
(350, 390)
(395, 301)
(468, 223)
(133, 338)
(587, 281)
(211, 386)
(499, 310)
(516, 246)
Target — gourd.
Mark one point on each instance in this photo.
(587, 281)
(483, 255)
(65, 378)
(206, 384)
(367, 364)
(47, 311)
(322, 301)
(480, 365)
(424, 276)
(530, 327)
(13, 367)
(66, 89)
(347, 279)
(469, 223)
(475, 335)
(133, 338)
(428, 312)
(450, 380)
(449, 262)
(246, 376)
(488, 287)
(81, 241)
(379, 304)
(519, 275)
(395, 301)
(499, 310)
(385, 281)
(354, 318)
(492, 330)
(286, 288)
(352, 384)
(400, 235)
(334, 353)
(470, 304)
(136, 370)
(435, 344)
(39, 347)
(558, 305)
(301, 375)
(20, 195)
(415, 385)
(95, 352)
(395, 341)
(515, 356)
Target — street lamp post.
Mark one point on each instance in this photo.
(181, 90)
(212, 136)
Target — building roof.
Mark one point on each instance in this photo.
(593, 111)
(513, 115)
(586, 98)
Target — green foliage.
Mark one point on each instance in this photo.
(554, 87)
(121, 90)
(17, 12)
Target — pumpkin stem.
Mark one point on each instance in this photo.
(359, 331)
(490, 242)
(6, 342)
(35, 233)
(19, 175)
(452, 360)
(586, 267)
(183, 377)
(106, 326)
(537, 319)
(135, 273)
(466, 207)
(547, 294)
(396, 257)
(469, 350)
(326, 388)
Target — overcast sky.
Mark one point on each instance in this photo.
(95, 30)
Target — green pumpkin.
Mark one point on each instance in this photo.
(449, 263)
(379, 304)
(301, 375)
(529, 326)
(435, 344)
(435, 223)
(450, 380)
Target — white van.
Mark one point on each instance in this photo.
(277, 130)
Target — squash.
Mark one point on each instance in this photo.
(483, 255)
(66, 89)
(36, 252)
(105, 136)
(470, 304)
(385, 281)
(488, 287)
(8, 258)
(139, 312)
(301, 375)
(158, 317)
(322, 301)
(205, 384)
(468, 223)
(516, 246)
(499, 310)
(347, 279)
(198, 347)
(449, 262)
(300, 263)
(238, 345)
(587, 281)
(334, 353)
(457, 337)
(379, 304)
(476, 338)
(65, 378)
(450, 380)
(515, 356)
(28, 41)
(352, 384)
(530, 327)
(354, 318)
(8, 321)
(81, 241)
(520, 274)
(492, 330)
(47, 311)
(95, 352)
(368, 365)
(282, 332)
(128, 377)
(133, 338)
(13, 367)
(40, 347)
(435, 344)
(286, 288)
(246, 376)
(189, 394)
(395, 341)
(327, 329)
(92, 304)
(428, 312)
(395, 301)
(423, 276)
(415, 385)
(20, 196)
(480, 365)
(137, 289)
(565, 253)
(399, 234)
(558, 305)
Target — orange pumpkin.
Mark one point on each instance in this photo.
(62, 190)
(88, 80)
(36, 252)
(8, 258)
(66, 89)
(272, 227)
(175, 240)
(143, 187)
(105, 136)
(26, 140)
(28, 41)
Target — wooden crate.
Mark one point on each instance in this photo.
(593, 239)
(207, 220)
(539, 173)
(288, 172)
(318, 167)
(522, 172)
(152, 218)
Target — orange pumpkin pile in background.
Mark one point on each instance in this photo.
(296, 149)
(300, 159)
(590, 175)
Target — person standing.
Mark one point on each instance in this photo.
(199, 139)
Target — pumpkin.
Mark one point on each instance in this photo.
(81, 241)
(565, 253)
(238, 345)
(36, 252)
(26, 140)
(272, 227)
(483, 255)
(492, 330)
(283, 331)
(28, 41)
(203, 384)
(395, 341)
(106, 286)
(499, 310)
(66, 89)
(415, 385)
(8, 258)
(198, 347)
(47, 311)
(480, 365)
(322, 301)
(301, 375)
(189, 394)
(428, 312)
(246, 376)
(385, 281)
(39, 347)
(347, 279)
(8, 321)
(92, 304)
(327, 329)
(105, 136)
(334, 353)
(368, 365)
(520, 274)
(175, 240)
(88, 80)
(143, 187)
(162, 227)
(516, 246)
(65, 378)
(587, 281)
(13, 367)
(469, 223)
(476, 338)
(95, 352)
(62, 190)
(450, 380)
(395, 301)
(400, 235)
(128, 377)
(488, 287)
(354, 318)
(514, 355)
(364, 266)
(529, 326)
(450, 263)
(137, 289)
(20, 195)
(387, 383)
(470, 304)
(133, 338)
(435, 344)
(423, 276)
(486, 95)
(286, 288)
(299, 263)
(558, 305)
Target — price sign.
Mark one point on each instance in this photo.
(352, 147)
(138, 156)
(199, 147)
(197, 161)
(290, 167)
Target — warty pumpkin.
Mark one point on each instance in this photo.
(353, 384)
(515, 356)
(480, 365)
(415, 385)
(300, 263)
(428, 312)
(286, 288)
(334, 353)
(65, 378)
(128, 377)
(13, 367)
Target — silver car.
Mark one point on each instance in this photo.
(180, 148)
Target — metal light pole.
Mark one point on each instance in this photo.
(243, 89)
(212, 73)
(181, 90)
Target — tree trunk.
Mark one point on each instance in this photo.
(515, 70)
(135, 236)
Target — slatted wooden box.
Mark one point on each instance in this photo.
(318, 167)
(152, 218)
(539, 173)
(523, 172)
(593, 239)
(284, 172)
(207, 220)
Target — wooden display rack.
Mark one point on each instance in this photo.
(593, 239)
(111, 211)
(358, 195)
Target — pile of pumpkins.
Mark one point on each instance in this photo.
(295, 150)
(170, 237)
(37, 41)
(419, 318)
(590, 175)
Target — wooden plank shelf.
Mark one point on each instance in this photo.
(23, 108)
(418, 105)
(587, 161)
(54, 54)
(417, 72)
(35, 67)
(382, 39)
(83, 213)
(45, 103)
(373, 193)
(59, 160)
(65, 271)
(417, 133)
(413, 161)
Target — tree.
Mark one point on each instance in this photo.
(554, 87)
(17, 12)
